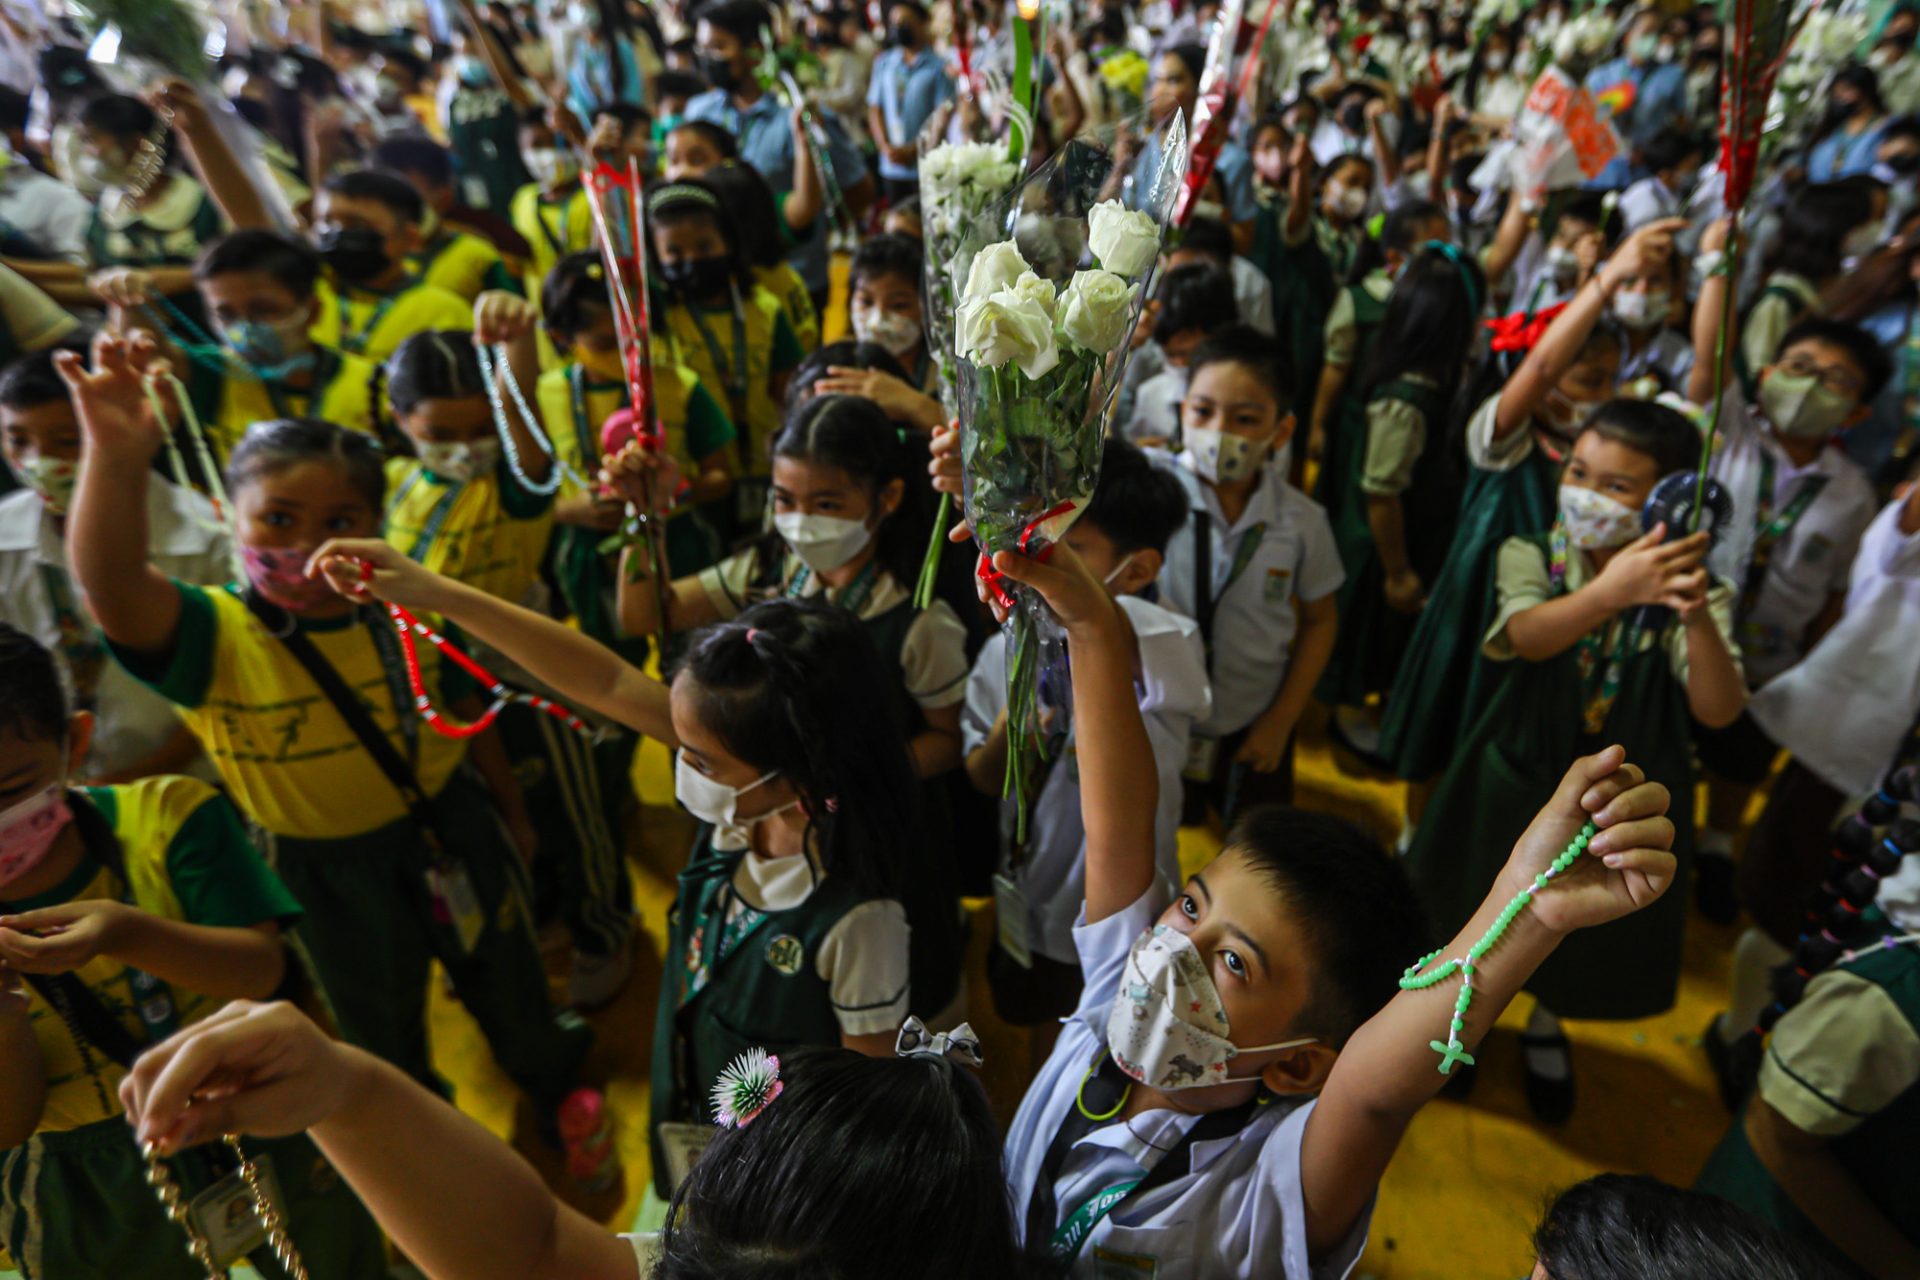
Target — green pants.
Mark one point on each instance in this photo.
(76, 1205)
(371, 934)
(580, 873)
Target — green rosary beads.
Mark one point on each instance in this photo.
(1414, 980)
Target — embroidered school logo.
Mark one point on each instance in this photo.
(1279, 584)
(785, 954)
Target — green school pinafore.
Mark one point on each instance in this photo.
(1303, 291)
(1373, 637)
(1507, 767)
(1444, 681)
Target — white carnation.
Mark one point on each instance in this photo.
(1095, 309)
(1007, 327)
(994, 268)
(1125, 241)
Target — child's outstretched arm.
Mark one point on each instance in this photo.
(455, 1198)
(1716, 688)
(1119, 787)
(1645, 251)
(643, 476)
(136, 605)
(502, 319)
(23, 1072)
(581, 669)
(1388, 1069)
(1706, 320)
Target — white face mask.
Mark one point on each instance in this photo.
(1577, 413)
(459, 460)
(1167, 1027)
(1801, 407)
(823, 543)
(1495, 61)
(1641, 310)
(1222, 457)
(1561, 262)
(893, 332)
(1348, 202)
(715, 803)
(550, 166)
(1594, 521)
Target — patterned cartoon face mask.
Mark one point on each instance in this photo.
(1593, 520)
(1168, 1028)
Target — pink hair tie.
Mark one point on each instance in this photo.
(751, 633)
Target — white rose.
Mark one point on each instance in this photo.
(1006, 326)
(994, 268)
(1095, 309)
(1035, 290)
(1125, 241)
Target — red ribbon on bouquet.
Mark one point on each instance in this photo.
(994, 578)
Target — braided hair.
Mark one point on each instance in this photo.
(788, 688)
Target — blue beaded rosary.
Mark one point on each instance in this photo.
(495, 370)
(1414, 980)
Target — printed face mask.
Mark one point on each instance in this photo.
(28, 830)
(1222, 457)
(1167, 1027)
(279, 574)
(823, 543)
(550, 166)
(897, 334)
(1594, 521)
(1802, 408)
(54, 479)
(1641, 310)
(459, 460)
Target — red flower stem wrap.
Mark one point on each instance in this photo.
(994, 578)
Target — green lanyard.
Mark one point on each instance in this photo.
(728, 935)
(326, 367)
(1600, 672)
(582, 420)
(733, 371)
(1770, 528)
(1072, 1234)
(853, 598)
(79, 642)
(354, 342)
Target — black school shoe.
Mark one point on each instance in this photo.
(1713, 894)
(1550, 1100)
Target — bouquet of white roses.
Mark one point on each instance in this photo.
(962, 185)
(1042, 342)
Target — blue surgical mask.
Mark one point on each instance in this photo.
(472, 71)
(273, 348)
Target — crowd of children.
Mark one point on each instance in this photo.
(412, 411)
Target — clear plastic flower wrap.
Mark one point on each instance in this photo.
(1042, 329)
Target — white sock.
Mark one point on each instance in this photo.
(1755, 956)
(1713, 842)
(1549, 1063)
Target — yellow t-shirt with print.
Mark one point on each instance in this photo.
(345, 398)
(372, 325)
(784, 283)
(464, 265)
(706, 345)
(574, 408)
(490, 532)
(287, 756)
(186, 858)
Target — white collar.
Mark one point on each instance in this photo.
(775, 884)
(21, 514)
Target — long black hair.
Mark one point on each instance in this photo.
(788, 688)
(855, 435)
(1628, 1227)
(756, 215)
(1431, 322)
(798, 1193)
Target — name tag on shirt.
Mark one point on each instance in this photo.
(1201, 755)
(1010, 915)
(683, 1144)
(1279, 588)
(225, 1214)
(1123, 1266)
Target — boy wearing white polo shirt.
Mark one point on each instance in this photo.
(1122, 536)
(1255, 567)
(1800, 508)
(136, 732)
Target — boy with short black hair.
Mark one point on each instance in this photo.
(1194, 301)
(1225, 1098)
(367, 228)
(126, 912)
(449, 257)
(1122, 538)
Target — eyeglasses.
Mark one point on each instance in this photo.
(1832, 376)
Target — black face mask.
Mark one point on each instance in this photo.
(1906, 164)
(904, 36)
(355, 253)
(719, 73)
(1354, 117)
(695, 278)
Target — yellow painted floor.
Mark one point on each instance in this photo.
(1463, 1192)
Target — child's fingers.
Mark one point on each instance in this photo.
(1582, 776)
(1646, 872)
(1652, 832)
(1642, 800)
